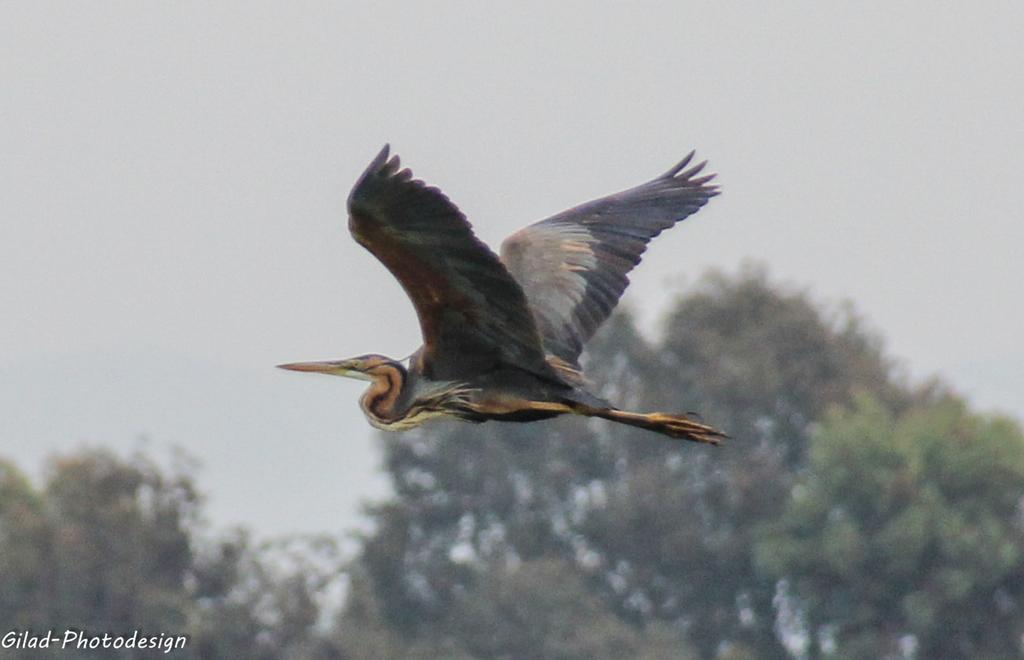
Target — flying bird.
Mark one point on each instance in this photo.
(502, 335)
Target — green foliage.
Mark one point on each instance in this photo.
(103, 545)
(112, 544)
(23, 531)
(538, 609)
(265, 601)
(907, 525)
(771, 361)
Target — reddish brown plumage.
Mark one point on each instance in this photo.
(502, 337)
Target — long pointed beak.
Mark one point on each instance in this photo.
(314, 367)
(346, 368)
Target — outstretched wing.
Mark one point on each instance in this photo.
(573, 266)
(473, 315)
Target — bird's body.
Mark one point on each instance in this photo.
(502, 336)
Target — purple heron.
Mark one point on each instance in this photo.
(502, 335)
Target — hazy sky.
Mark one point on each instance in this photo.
(173, 177)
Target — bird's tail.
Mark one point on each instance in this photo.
(674, 426)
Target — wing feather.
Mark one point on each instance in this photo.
(574, 265)
(472, 313)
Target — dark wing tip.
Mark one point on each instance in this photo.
(383, 162)
(678, 166)
(688, 177)
(677, 171)
(383, 165)
(696, 169)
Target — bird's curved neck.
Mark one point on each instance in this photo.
(378, 402)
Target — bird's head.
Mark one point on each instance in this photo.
(364, 367)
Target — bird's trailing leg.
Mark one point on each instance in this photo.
(674, 426)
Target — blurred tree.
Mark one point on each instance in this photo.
(105, 545)
(770, 360)
(663, 531)
(764, 363)
(271, 601)
(364, 631)
(112, 544)
(907, 533)
(23, 534)
(538, 609)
